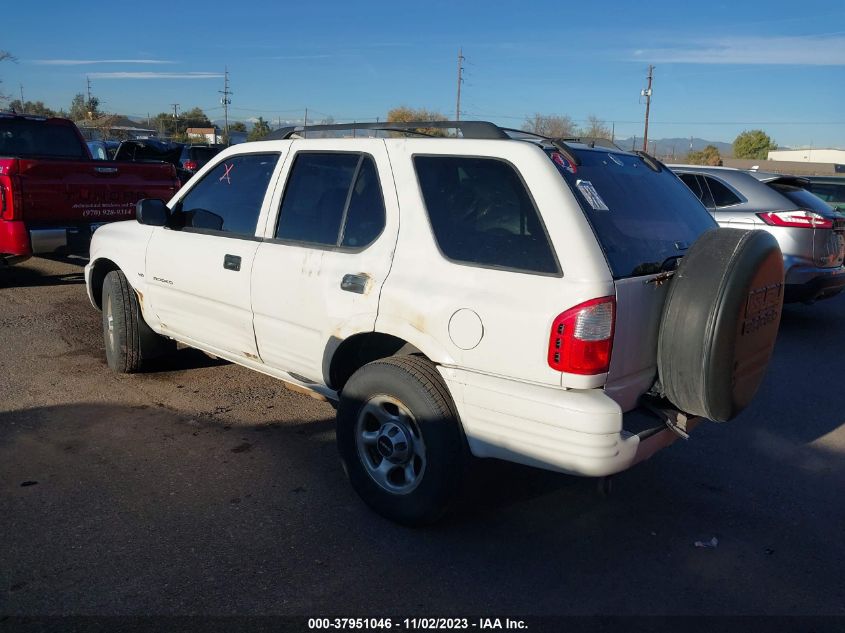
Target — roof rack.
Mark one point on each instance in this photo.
(468, 129)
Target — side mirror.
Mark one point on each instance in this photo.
(152, 212)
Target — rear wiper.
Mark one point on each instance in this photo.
(668, 265)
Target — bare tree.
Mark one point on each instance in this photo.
(595, 128)
(5, 56)
(552, 125)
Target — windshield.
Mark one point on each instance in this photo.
(802, 198)
(644, 219)
(28, 138)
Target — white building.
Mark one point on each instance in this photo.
(836, 156)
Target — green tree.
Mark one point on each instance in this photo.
(595, 128)
(237, 126)
(707, 156)
(551, 125)
(404, 114)
(80, 109)
(753, 144)
(259, 130)
(37, 108)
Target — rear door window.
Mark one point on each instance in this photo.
(332, 199)
(481, 214)
(699, 188)
(722, 195)
(229, 197)
(646, 219)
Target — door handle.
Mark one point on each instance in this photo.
(355, 283)
(232, 262)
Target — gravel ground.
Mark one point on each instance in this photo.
(201, 487)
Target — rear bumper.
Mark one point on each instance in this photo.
(807, 283)
(579, 432)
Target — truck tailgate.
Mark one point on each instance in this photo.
(66, 192)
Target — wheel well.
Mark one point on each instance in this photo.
(102, 267)
(358, 350)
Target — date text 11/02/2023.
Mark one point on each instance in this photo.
(416, 623)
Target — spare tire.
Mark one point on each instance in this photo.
(720, 322)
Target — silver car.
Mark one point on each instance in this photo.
(810, 232)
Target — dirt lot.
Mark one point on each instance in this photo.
(204, 488)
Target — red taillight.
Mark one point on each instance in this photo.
(190, 165)
(582, 337)
(11, 206)
(799, 219)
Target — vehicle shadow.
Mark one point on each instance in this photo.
(22, 276)
(91, 490)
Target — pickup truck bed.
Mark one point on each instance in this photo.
(53, 195)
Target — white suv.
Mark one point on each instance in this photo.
(489, 293)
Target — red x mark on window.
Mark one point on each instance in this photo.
(226, 174)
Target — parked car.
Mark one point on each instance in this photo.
(53, 194)
(831, 189)
(810, 232)
(103, 150)
(195, 157)
(154, 151)
(567, 306)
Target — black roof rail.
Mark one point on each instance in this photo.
(468, 129)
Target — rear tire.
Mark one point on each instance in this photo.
(128, 339)
(400, 440)
(720, 322)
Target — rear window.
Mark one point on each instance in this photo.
(28, 138)
(801, 198)
(643, 219)
(481, 214)
(201, 155)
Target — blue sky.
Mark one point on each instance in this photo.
(720, 67)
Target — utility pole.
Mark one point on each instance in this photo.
(647, 94)
(22, 101)
(226, 101)
(175, 118)
(461, 59)
(88, 103)
(613, 132)
(305, 125)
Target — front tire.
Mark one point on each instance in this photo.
(400, 440)
(128, 339)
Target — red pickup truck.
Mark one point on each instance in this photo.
(53, 195)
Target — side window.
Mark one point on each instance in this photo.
(699, 188)
(722, 196)
(229, 197)
(481, 213)
(332, 199)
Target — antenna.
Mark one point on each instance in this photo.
(226, 101)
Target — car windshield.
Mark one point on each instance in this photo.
(643, 219)
(32, 138)
(802, 198)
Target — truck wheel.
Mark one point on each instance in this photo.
(129, 340)
(400, 440)
(720, 322)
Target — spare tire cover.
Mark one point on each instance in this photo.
(720, 322)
